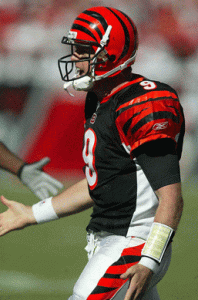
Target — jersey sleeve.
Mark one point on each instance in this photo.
(154, 115)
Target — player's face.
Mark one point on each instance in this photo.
(80, 53)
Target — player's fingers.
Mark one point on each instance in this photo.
(53, 181)
(130, 293)
(133, 292)
(44, 189)
(41, 194)
(41, 163)
(3, 225)
(5, 229)
(127, 274)
(2, 231)
(5, 201)
(124, 276)
(52, 189)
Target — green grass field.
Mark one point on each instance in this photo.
(43, 262)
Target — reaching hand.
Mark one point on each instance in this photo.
(17, 216)
(140, 277)
(39, 182)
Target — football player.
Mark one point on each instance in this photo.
(31, 175)
(134, 128)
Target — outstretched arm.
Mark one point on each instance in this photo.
(32, 175)
(9, 161)
(73, 200)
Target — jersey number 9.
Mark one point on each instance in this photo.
(89, 158)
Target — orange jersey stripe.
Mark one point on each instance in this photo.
(148, 96)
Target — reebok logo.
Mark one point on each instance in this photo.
(160, 126)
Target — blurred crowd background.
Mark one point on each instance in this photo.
(38, 118)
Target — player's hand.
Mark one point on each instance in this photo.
(39, 182)
(17, 216)
(140, 277)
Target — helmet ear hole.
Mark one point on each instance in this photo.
(112, 57)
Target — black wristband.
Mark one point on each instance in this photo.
(20, 170)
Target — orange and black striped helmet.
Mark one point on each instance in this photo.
(112, 35)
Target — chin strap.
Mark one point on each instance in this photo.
(66, 85)
(119, 68)
(82, 84)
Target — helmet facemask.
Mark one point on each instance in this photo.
(67, 66)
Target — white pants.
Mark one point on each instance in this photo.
(110, 256)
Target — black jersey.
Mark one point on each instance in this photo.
(138, 112)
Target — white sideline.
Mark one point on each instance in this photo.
(13, 281)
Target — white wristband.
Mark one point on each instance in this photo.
(149, 263)
(43, 211)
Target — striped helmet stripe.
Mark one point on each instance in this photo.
(127, 37)
(84, 29)
(135, 32)
(98, 17)
(92, 25)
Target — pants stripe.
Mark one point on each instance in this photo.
(110, 283)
